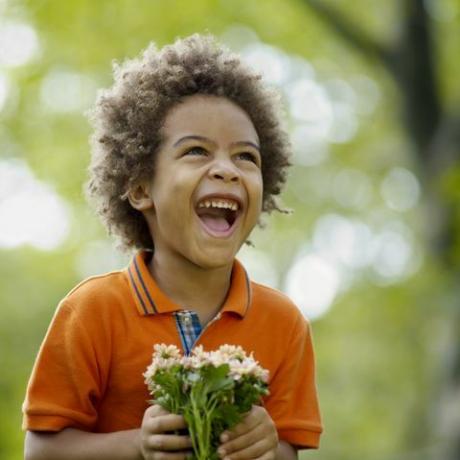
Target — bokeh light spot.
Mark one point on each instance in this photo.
(64, 91)
(99, 256)
(312, 283)
(18, 43)
(352, 188)
(400, 189)
(30, 211)
(393, 253)
(343, 241)
(260, 266)
(4, 89)
(268, 61)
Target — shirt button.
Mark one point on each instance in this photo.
(187, 320)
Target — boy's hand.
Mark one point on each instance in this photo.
(156, 444)
(254, 438)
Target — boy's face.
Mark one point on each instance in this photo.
(206, 194)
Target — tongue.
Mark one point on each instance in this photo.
(218, 224)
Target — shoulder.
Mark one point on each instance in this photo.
(275, 305)
(100, 286)
(273, 298)
(95, 292)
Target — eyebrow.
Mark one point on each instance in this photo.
(209, 141)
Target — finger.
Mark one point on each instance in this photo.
(168, 442)
(255, 450)
(270, 455)
(168, 456)
(243, 441)
(163, 423)
(155, 410)
(250, 421)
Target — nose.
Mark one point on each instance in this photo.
(224, 170)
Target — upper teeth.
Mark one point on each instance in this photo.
(220, 203)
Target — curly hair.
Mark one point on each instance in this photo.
(127, 120)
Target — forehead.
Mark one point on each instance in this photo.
(209, 116)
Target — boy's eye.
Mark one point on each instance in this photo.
(248, 156)
(196, 151)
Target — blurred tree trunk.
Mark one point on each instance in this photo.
(435, 135)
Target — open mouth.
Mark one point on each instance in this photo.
(218, 215)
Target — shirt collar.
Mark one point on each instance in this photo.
(150, 300)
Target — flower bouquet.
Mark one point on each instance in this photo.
(212, 390)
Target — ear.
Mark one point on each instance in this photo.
(139, 197)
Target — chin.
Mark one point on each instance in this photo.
(215, 259)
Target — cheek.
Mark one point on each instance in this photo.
(167, 191)
(258, 187)
(255, 190)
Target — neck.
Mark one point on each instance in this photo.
(190, 286)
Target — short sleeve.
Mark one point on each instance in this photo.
(65, 384)
(293, 402)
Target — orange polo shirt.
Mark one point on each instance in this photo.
(88, 372)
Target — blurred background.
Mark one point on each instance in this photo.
(371, 253)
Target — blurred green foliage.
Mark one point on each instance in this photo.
(381, 348)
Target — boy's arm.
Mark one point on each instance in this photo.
(147, 443)
(73, 444)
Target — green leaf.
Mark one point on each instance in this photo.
(216, 378)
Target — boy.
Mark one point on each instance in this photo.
(187, 152)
